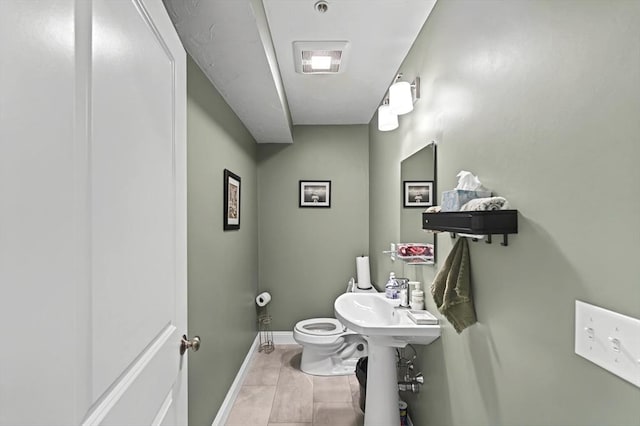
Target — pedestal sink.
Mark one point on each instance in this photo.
(385, 327)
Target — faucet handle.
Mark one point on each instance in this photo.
(403, 282)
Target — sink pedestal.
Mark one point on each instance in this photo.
(382, 386)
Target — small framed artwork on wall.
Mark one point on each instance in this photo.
(315, 193)
(418, 193)
(231, 201)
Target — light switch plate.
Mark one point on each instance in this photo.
(608, 339)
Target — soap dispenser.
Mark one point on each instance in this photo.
(392, 289)
(417, 298)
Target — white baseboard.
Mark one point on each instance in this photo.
(232, 393)
(279, 338)
(283, 338)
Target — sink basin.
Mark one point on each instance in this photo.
(375, 316)
(386, 327)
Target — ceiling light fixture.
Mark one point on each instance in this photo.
(401, 95)
(320, 62)
(387, 119)
(320, 57)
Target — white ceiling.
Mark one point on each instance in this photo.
(245, 47)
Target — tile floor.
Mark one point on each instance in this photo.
(276, 393)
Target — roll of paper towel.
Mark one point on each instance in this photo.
(362, 269)
(263, 298)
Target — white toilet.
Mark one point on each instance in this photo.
(328, 347)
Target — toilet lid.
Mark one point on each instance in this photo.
(320, 326)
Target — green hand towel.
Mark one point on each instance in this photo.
(451, 289)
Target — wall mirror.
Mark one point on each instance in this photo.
(418, 173)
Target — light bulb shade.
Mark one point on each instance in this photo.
(400, 98)
(387, 120)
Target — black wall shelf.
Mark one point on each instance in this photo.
(482, 222)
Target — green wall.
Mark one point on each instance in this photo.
(222, 266)
(540, 99)
(307, 255)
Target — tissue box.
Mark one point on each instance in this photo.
(452, 201)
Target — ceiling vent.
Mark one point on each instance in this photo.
(320, 57)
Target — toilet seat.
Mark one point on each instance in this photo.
(325, 332)
(320, 327)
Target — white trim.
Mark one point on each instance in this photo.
(232, 393)
(283, 338)
(279, 338)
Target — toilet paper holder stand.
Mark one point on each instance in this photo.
(266, 334)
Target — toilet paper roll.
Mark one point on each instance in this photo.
(362, 270)
(263, 298)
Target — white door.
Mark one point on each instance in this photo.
(92, 213)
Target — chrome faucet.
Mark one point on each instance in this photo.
(404, 292)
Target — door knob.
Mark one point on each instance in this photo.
(193, 344)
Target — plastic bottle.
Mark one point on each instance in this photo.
(403, 413)
(404, 292)
(417, 298)
(392, 289)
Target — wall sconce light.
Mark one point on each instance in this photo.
(401, 96)
(387, 119)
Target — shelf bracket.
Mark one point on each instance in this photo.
(505, 238)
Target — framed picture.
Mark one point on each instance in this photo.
(315, 193)
(231, 201)
(418, 193)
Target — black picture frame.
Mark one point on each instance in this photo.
(314, 194)
(231, 201)
(417, 193)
